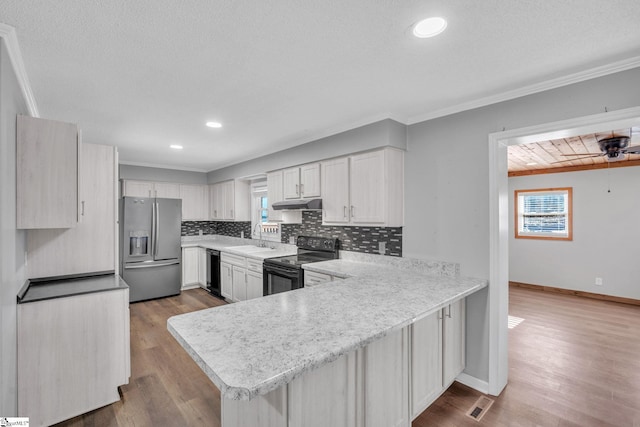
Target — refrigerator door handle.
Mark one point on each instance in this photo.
(153, 230)
(157, 221)
(150, 265)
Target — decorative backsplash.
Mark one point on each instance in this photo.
(356, 239)
(225, 228)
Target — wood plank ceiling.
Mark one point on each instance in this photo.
(569, 154)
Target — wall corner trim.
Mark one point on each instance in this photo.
(8, 34)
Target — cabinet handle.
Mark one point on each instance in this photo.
(352, 211)
(449, 311)
(344, 211)
(301, 189)
(231, 213)
(149, 193)
(82, 213)
(297, 192)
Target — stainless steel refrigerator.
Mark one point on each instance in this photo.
(151, 251)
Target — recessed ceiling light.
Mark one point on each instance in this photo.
(531, 164)
(214, 124)
(429, 27)
(176, 146)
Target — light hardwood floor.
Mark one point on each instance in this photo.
(572, 362)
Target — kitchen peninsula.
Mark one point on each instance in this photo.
(341, 353)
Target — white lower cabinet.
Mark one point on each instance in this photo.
(312, 278)
(73, 354)
(241, 277)
(202, 268)
(190, 263)
(437, 354)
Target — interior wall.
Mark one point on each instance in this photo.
(375, 135)
(605, 241)
(144, 173)
(12, 241)
(447, 182)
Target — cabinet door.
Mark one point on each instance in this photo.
(189, 266)
(453, 341)
(194, 202)
(274, 194)
(367, 188)
(310, 180)
(385, 374)
(90, 246)
(166, 190)
(228, 189)
(335, 191)
(239, 283)
(426, 362)
(291, 183)
(254, 285)
(226, 280)
(137, 188)
(215, 202)
(202, 267)
(47, 154)
(312, 278)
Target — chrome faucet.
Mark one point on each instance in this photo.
(261, 243)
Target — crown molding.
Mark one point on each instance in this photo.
(160, 166)
(8, 34)
(569, 79)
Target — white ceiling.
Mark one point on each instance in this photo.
(144, 74)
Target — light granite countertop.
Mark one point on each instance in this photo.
(252, 347)
(227, 244)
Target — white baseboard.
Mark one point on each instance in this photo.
(473, 382)
(191, 286)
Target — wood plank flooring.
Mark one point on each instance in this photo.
(572, 362)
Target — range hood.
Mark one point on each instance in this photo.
(299, 205)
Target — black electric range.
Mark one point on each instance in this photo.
(285, 273)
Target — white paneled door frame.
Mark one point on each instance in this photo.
(499, 219)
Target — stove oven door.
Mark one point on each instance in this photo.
(278, 279)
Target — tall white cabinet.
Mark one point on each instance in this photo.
(91, 245)
(47, 174)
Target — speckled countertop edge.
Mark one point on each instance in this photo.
(253, 347)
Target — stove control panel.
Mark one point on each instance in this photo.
(325, 244)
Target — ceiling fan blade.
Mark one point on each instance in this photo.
(632, 150)
(578, 158)
(583, 154)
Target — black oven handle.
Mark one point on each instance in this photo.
(285, 272)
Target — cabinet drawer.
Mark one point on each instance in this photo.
(239, 261)
(313, 278)
(254, 265)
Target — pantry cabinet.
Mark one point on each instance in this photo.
(364, 189)
(302, 182)
(91, 245)
(47, 173)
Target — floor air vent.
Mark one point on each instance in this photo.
(480, 408)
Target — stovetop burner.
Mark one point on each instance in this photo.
(310, 249)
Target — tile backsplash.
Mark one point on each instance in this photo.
(225, 228)
(356, 239)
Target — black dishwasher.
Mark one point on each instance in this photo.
(213, 272)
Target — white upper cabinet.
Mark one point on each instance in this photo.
(274, 194)
(91, 245)
(364, 189)
(230, 200)
(302, 182)
(195, 202)
(47, 173)
(165, 190)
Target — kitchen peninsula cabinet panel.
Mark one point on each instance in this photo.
(195, 202)
(90, 246)
(47, 173)
(275, 193)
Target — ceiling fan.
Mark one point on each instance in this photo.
(613, 148)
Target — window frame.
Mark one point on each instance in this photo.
(567, 236)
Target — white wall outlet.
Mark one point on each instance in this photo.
(199, 232)
(598, 281)
(382, 247)
(242, 234)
